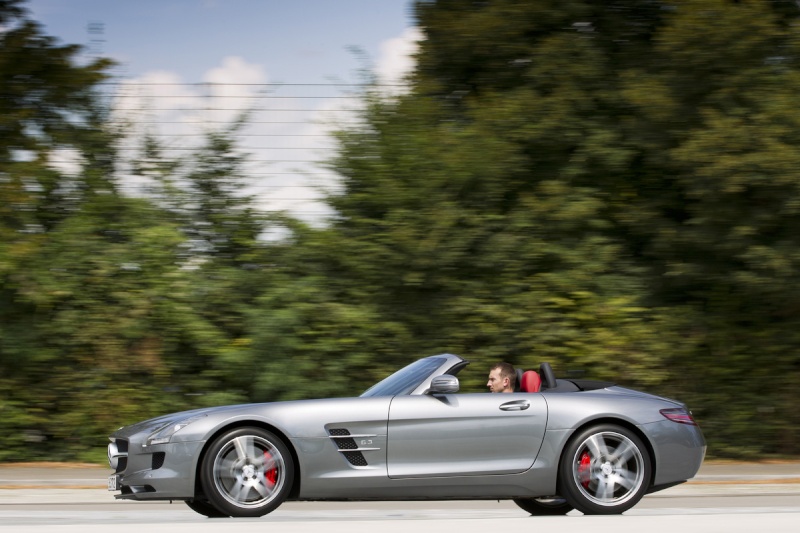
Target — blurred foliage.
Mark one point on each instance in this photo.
(609, 186)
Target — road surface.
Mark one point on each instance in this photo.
(725, 498)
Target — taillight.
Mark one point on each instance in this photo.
(679, 415)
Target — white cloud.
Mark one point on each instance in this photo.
(236, 70)
(66, 160)
(288, 132)
(281, 136)
(397, 56)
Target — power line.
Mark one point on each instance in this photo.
(158, 107)
(226, 84)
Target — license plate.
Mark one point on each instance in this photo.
(113, 482)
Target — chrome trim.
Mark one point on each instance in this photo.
(114, 454)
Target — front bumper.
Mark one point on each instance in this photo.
(160, 472)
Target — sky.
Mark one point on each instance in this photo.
(167, 49)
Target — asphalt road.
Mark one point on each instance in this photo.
(727, 498)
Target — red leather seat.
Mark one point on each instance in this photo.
(530, 382)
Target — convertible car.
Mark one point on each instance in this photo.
(553, 446)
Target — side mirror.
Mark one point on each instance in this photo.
(444, 384)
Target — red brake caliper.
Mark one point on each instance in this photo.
(584, 469)
(272, 473)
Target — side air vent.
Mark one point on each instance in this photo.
(355, 458)
(349, 448)
(158, 460)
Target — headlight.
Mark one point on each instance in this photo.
(164, 434)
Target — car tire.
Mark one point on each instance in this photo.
(247, 472)
(553, 506)
(604, 469)
(204, 508)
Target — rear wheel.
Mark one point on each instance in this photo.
(544, 506)
(247, 472)
(604, 470)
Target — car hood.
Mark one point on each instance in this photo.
(285, 415)
(153, 424)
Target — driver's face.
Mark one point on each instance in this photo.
(496, 382)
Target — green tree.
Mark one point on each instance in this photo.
(712, 207)
(315, 332)
(48, 102)
(98, 318)
(205, 195)
(609, 185)
(481, 255)
(104, 329)
(47, 105)
(474, 201)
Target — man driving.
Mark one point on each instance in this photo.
(502, 378)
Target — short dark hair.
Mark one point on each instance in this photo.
(506, 371)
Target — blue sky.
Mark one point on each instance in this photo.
(162, 46)
(295, 41)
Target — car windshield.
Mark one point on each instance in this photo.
(406, 379)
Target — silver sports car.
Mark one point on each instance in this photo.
(553, 446)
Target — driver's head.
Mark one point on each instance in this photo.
(502, 378)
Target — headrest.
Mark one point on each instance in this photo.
(531, 382)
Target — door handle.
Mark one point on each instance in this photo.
(519, 405)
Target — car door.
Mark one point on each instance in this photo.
(464, 434)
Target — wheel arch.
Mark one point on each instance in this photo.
(617, 422)
(198, 488)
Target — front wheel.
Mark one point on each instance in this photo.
(552, 506)
(247, 472)
(604, 470)
(205, 509)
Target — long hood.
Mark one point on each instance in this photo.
(297, 418)
(153, 424)
(304, 418)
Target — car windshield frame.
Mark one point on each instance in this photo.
(405, 380)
